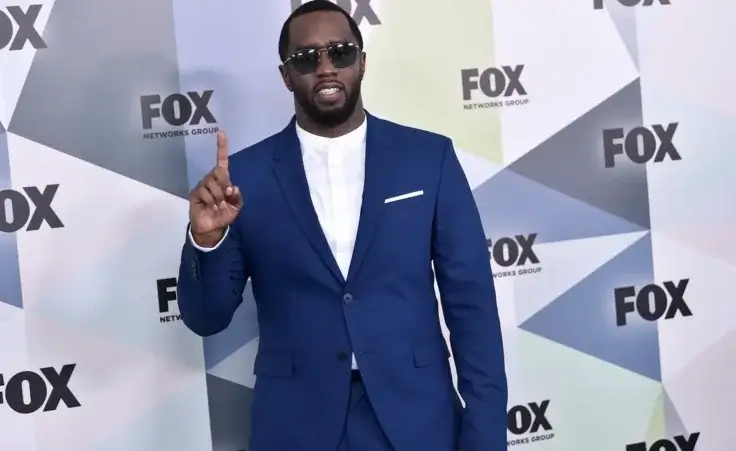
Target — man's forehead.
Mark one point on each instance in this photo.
(319, 28)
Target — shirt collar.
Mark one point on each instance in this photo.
(311, 141)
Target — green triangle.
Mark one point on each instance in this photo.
(657, 424)
(417, 53)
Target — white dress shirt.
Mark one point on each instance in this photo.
(335, 169)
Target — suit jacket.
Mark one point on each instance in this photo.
(311, 319)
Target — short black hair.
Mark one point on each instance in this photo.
(311, 7)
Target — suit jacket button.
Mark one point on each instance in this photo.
(342, 356)
(347, 298)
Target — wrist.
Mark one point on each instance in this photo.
(209, 239)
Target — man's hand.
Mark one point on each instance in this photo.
(214, 203)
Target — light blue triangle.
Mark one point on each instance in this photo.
(584, 317)
(511, 204)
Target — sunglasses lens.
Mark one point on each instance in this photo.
(305, 62)
(342, 55)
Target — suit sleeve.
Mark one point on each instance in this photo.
(211, 284)
(206, 249)
(468, 298)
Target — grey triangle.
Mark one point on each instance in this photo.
(624, 18)
(86, 88)
(571, 161)
(673, 424)
(10, 289)
(230, 405)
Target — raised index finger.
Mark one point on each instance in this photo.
(222, 150)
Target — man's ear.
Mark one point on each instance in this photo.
(361, 67)
(286, 78)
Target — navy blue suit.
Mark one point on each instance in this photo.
(311, 318)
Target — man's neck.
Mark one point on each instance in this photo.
(355, 121)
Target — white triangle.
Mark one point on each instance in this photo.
(100, 210)
(718, 231)
(575, 70)
(99, 271)
(185, 411)
(12, 331)
(15, 64)
(702, 27)
(238, 367)
(563, 265)
(115, 384)
(477, 170)
(8, 312)
(14, 358)
(703, 393)
(683, 339)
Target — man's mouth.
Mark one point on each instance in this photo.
(329, 93)
(326, 92)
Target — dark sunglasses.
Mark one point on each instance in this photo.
(306, 61)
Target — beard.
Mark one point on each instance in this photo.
(333, 117)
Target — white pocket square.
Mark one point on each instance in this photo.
(403, 196)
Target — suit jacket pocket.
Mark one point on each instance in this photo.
(430, 351)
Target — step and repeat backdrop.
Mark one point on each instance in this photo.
(596, 134)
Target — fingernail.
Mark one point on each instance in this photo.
(222, 204)
(229, 190)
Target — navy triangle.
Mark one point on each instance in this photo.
(584, 318)
(242, 329)
(511, 204)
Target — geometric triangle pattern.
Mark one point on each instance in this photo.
(657, 427)
(572, 161)
(230, 426)
(566, 263)
(11, 201)
(673, 423)
(633, 346)
(96, 77)
(218, 348)
(603, 182)
(625, 21)
(556, 216)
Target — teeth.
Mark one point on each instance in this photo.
(328, 91)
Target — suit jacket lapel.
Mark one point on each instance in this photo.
(377, 177)
(289, 170)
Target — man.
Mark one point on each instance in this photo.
(337, 220)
